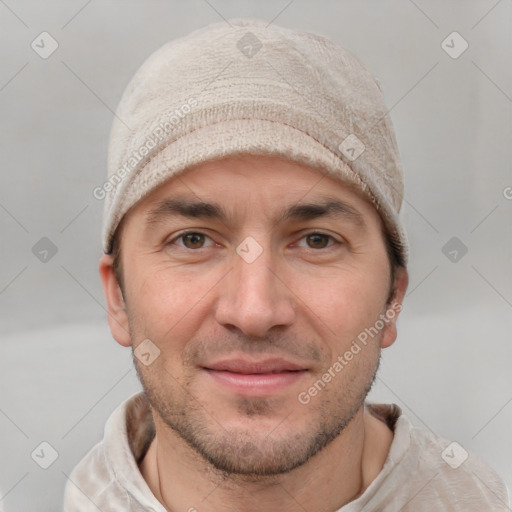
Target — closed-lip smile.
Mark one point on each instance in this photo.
(255, 378)
(245, 366)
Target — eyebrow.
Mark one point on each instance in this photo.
(328, 207)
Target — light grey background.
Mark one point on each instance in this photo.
(62, 374)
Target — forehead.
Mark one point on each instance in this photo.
(280, 188)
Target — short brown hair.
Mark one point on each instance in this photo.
(116, 255)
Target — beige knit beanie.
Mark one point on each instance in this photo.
(246, 87)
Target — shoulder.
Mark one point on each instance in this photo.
(99, 480)
(447, 471)
(90, 483)
(425, 472)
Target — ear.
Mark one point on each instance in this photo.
(116, 307)
(399, 286)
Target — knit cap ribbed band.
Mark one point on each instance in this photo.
(248, 88)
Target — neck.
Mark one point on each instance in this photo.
(181, 480)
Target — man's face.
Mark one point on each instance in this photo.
(251, 301)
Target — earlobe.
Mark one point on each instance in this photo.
(395, 307)
(116, 307)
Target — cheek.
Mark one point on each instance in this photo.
(343, 304)
(166, 304)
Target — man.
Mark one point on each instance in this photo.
(256, 264)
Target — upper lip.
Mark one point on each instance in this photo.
(245, 366)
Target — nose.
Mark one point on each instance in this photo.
(254, 297)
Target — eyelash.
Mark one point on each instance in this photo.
(194, 232)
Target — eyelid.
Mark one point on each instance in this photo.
(323, 233)
(179, 235)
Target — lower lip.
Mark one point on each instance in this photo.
(259, 384)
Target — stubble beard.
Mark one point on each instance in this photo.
(247, 454)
